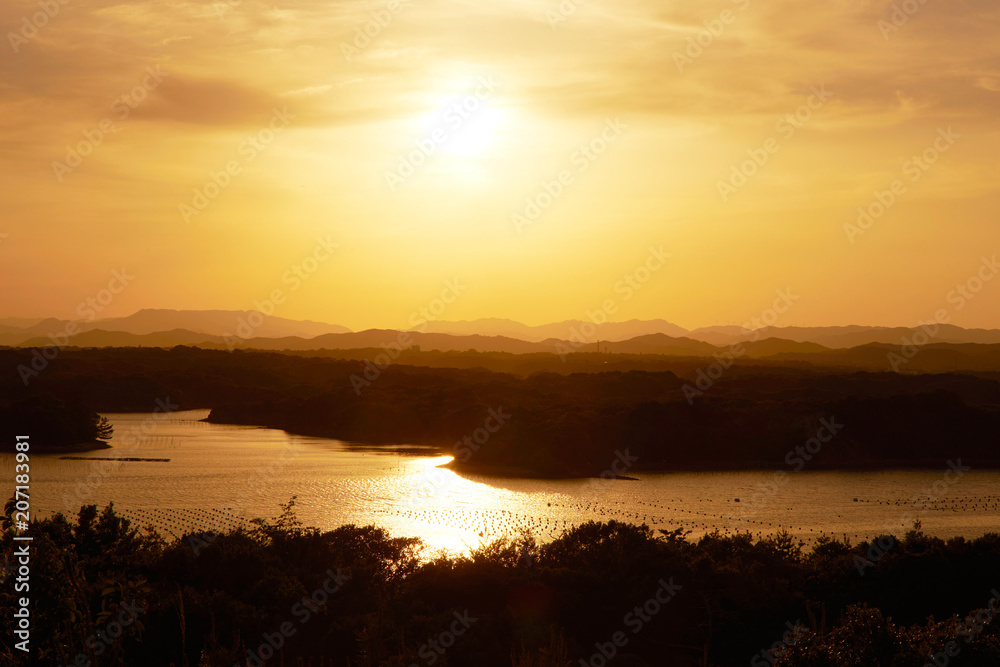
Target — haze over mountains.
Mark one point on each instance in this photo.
(831, 336)
(611, 331)
(13, 331)
(249, 329)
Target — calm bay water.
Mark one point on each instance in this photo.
(220, 476)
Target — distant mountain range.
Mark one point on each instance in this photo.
(18, 331)
(837, 337)
(858, 346)
(611, 331)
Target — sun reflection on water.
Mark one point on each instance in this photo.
(219, 477)
(440, 507)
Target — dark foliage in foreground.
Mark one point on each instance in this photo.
(356, 596)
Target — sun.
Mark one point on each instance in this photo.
(467, 119)
(474, 135)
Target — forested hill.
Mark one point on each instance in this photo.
(549, 423)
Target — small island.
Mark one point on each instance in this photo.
(56, 426)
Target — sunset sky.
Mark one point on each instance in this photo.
(318, 124)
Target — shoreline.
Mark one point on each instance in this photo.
(889, 466)
(79, 447)
(520, 472)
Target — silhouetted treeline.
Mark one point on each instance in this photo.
(558, 424)
(103, 593)
(51, 422)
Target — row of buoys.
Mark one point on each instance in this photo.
(176, 522)
(566, 512)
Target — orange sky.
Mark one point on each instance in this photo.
(622, 122)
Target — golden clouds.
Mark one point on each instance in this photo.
(699, 85)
